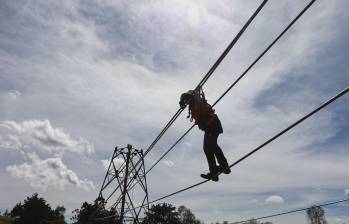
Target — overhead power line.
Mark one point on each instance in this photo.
(209, 73)
(340, 94)
(205, 78)
(287, 212)
(239, 78)
(232, 43)
(293, 211)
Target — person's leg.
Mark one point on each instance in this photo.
(222, 161)
(209, 152)
(211, 160)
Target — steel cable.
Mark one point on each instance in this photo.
(331, 100)
(239, 78)
(293, 211)
(203, 81)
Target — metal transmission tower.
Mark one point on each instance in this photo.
(123, 171)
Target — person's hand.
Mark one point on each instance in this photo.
(182, 104)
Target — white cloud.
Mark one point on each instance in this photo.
(346, 192)
(69, 62)
(117, 161)
(105, 163)
(275, 199)
(48, 173)
(40, 134)
(168, 163)
(10, 142)
(14, 94)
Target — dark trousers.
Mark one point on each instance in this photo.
(213, 152)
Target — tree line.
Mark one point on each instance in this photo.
(35, 209)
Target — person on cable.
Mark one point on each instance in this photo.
(207, 121)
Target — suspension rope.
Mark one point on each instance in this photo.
(233, 42)
(205, 78)
(174, 117)
(209, 73)
(277, 214)
(274, 137)
(331, 100)
(293, 211)
(170, 149)
(239, 78)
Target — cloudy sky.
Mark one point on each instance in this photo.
(78, 78)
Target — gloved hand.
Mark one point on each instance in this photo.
(182, 104)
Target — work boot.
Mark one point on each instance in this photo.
(224, 169)
(210, 176)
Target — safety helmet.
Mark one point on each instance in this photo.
(186, 98)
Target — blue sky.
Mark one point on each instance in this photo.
(78, 78)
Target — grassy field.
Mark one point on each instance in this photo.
(5, 220)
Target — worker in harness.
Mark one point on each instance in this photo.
(207, 121)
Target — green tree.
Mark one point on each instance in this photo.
(162, 214)
(316, 215)
(7, 213)
(186, 216)
(253, 221)
(17, 210)
(94, 214)
(36, 210)
(59, 213)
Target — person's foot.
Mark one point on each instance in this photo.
(210, 176)
(224, 169)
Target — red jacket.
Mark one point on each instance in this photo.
(203, 115)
